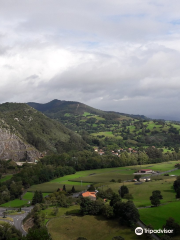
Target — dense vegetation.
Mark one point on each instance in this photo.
(38, 130)
(29, 175)
(112, 130)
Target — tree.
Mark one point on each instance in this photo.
(108, 211)
(127, 212)
(178, 192)
(114, 199)
(123, 190)
(137, 177)
(91, 188)
(73, 190)
(37, 198)
(64, 188)
(90, 207)
(38, 234)
(128, 196)
(155, 198)
(171, 224)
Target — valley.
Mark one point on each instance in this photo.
(80, 148)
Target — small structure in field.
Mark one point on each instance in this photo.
(145, 179)
(91, 195)
(145, 171)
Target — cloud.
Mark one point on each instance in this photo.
(113, 55)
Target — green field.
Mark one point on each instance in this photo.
(7, 177)
(157, 216)
(15, 203)
(106, 177)
(86, 114)
(98, 176)
(165, 166)
(142, 192)
(106, 134)
(29, 195)
(90, 227)
(67, 114)
(176, 172)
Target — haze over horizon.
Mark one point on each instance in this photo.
(112, 55)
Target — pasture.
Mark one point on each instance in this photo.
(82, 179)
(91, 227)
(142, 192)
(157, 216)
(15, 203)
(176, 172)
(29, 195)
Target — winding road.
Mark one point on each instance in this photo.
(17, 219)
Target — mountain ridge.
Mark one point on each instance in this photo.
(56, 104)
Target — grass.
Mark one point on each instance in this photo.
(52, 187)
(5, 178)
(29, 195)
(90, 227)
(7, 218)
(67, 114)
(157, 216)
(164, 166)
(15, 213)
(106, 134)
(176, 172)
(15, 203)
(97, 176)
(142, 192)
(106, 177)
(86, 114)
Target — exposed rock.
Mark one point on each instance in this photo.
(12, 147)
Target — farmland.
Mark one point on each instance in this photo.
(142, 192)
(157, 216)
(103, 177)
(15, 203)
(90, 227)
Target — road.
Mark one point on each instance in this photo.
(156, 174)
(141, 224)
(18, 219)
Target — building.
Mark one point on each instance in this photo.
(145, 171)
(91, 195)
(145, 179)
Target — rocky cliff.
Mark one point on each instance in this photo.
(12, 147)
(25, 132)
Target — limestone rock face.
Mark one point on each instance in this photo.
(13, 147)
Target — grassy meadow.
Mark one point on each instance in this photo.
(65, 226)
(15, 203)
(157, 216)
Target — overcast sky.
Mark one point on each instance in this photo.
(110, 54)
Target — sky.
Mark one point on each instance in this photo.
(113, 55)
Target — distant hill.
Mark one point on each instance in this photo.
(57, 107)
(33, 131)
(63, 107)
(111, 129)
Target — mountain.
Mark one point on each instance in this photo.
(112, 130)
(25, 132)
(57, 108)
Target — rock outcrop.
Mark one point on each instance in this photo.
(13, 147)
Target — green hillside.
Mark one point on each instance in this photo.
(113, 130)
(37, 129)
